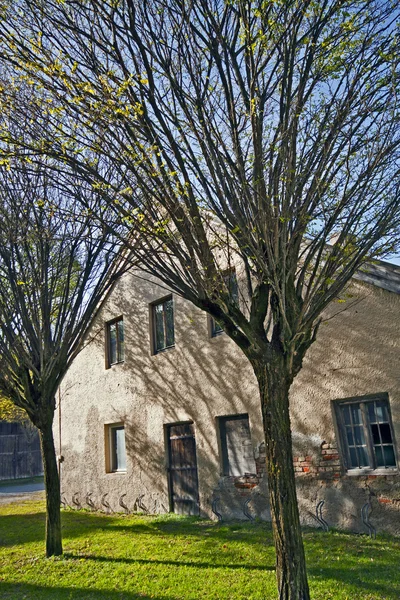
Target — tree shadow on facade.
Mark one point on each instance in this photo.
(203, 378)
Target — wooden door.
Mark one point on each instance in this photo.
(182, 469)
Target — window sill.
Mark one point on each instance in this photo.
(121, 472)
(166, 349)
(120, 362)
(374, 472)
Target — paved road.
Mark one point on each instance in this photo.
(16, 492)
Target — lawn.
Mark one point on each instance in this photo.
(170, 558)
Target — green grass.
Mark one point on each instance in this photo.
(170, 558)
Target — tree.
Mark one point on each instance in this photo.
(10, 413)
(240, 133)
(55, 268)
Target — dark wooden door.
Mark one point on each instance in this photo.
(182, 469)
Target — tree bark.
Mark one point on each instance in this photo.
(274, 387)
(52, 486)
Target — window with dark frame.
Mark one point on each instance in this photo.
(163, 325)
(237, 457)
(117, 448)
(115, 342)
(366, 433)
(232, 285)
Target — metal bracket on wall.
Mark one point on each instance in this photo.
(106, 504)
(76, 501)
(319, 517)
(89, 501)
(365, 514)
(245, 509)
(122, 503)
(214, 509)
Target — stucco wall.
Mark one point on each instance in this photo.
(357, 353)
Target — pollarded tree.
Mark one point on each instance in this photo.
(55, 268)
(247, 133)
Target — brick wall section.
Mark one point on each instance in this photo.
(324, 466)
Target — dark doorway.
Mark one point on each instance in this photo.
(182, 469)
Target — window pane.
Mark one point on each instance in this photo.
(375, 434)
(359, 436)
(350, 438)
(371, 412)
(346, 414)
(353, 458)
(113, 343)
(356, 414)
(363, 456)
(120, 455)
(379, 456)
(233, 288)
(159, 326)
(169, 320)
(216, 327)
(386, 434)
(390, 460)
(121, 346)
(381, 412)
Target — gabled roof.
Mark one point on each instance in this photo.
(381, 274)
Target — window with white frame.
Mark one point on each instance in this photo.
(366, 433)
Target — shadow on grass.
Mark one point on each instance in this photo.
(9, 591)
(361, 580)
(172, 563)
(17, 529)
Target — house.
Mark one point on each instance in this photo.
(160, 411)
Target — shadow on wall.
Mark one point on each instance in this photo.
(356, 354)
(201, 379)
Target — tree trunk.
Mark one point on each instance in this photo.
(274, 387)
(52, 485)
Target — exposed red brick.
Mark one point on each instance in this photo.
(244, 486)
(384, 500)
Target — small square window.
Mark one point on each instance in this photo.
(163, 325)
(115, 448)
(237, 456)
(366, 433)
(231, 283)
(115, 346)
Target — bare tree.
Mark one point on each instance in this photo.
(246, 133)
(55, 268)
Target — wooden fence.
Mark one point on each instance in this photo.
(19, 451)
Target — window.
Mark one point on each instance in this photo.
(236, 448)
(231, 283)
(115, 342)
(366, 433)
(115, 448)
(163, 325)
